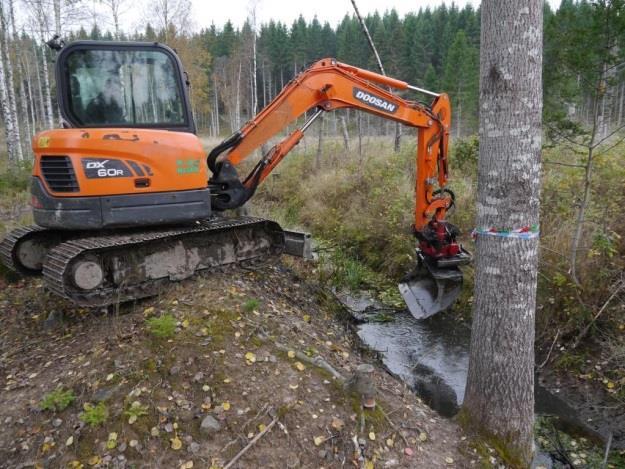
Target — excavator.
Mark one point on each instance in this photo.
(122, 198)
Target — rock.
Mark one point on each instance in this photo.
(210, 425)
(103, 394)
(199, 376)
(194, 447)
(174, 370)
(53, 320)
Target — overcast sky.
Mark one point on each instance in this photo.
(206, 12)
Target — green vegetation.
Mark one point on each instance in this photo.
(94, 415)
(136, 410)
(251, 305)
(57, 400)
(163, 326)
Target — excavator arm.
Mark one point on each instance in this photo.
(328, 85)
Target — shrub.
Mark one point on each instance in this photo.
(57, 400)
(250, 305)
(163, 326)
(94, 415)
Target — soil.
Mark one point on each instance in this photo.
(222, 360)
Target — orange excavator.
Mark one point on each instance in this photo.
(123, 201)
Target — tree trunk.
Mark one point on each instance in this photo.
(345, 133)
(9, 112)
(499, 398)
(319, 144)
(46, 88)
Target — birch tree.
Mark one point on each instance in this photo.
(14, 142)
(499, 399)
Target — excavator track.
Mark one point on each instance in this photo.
(23, 250)
(108, 269)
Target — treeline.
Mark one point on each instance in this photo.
(234, 72)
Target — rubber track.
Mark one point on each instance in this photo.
(9, 243)
(60, 258)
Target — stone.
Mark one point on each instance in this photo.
(194, 447)
(210, 425)
(174, 370)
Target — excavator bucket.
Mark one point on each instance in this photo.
(430, 289)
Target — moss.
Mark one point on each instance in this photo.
(482, 439)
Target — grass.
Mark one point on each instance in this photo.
(162, 327)
(94, 415)
(57, 400)
(251, 305)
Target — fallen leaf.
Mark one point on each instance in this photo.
(148, 311)
(93, 460)
(176, 444)
(300, 366)
(293, 386)
(423, 436)
(250, 357)
(185, 323)
(261, 427)
(318, 440)
(206, 388)
(226, 405)
(610, 385)
(337, 423)
(369, 464)
(110, 376)
(227, 380)
(74, 464)
(186, 465)
(69, 441)
(132, 419)
(408, 451)
(154, 431)
(449, 460)
(390, 443)
(307, 317)
(372, 436)
(133, 443)
(291, 354)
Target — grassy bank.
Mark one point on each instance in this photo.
(361, 206)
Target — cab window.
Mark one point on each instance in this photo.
(124, 87)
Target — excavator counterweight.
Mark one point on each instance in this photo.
(125, 201)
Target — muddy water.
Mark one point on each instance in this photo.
(432, 357)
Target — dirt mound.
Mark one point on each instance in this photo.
(213, 366)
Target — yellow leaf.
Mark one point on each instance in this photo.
(449, 460)
(250, 357)
(293, 386)
(318, 440)
(390, 443)
(185, 323)
(610, 385)
(423, 436)
(307, 317)
(291, 354)
(74, 464)
(369, 464)
(261, 427)
(110, 376)
(176, 444)
(93, 460)
(69, 441)
(148, 311)
(226, 405)
(300, 366)
(372, 436)
(227, 380)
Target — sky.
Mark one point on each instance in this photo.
(206, 12)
